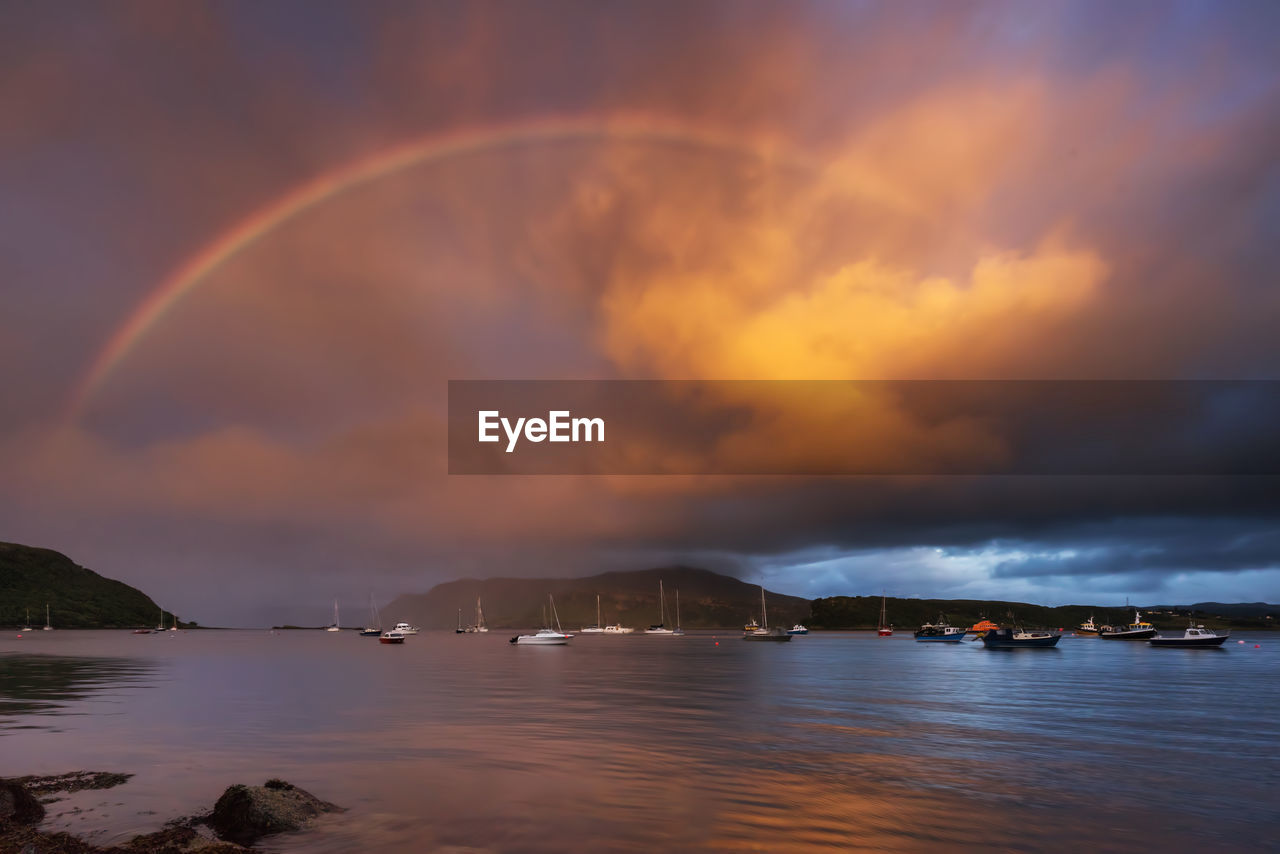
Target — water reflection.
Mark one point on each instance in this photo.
(455, 743)
(36, 689)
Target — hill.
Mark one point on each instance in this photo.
(78, 598)
(707, 600)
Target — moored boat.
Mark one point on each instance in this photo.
(618, 629)
(405, 629)
(1196, 637)
(374, 629)
(660, 627)
(884, 630)
(798, 629)
(1088, 627)
(1139, 629)
(391, 636)
(336, 627)
(598, 628)
(981, 627)
(478, 627)
(763, 632)
(543, 637)
(941, 631)
(546, 636)
(1008, 638)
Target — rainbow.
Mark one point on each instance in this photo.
(432, 149)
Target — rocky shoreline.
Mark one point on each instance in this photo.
(241, 816)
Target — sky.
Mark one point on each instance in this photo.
(244, 246)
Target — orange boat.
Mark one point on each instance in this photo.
(982, 627)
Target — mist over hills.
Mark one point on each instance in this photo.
(707, 600)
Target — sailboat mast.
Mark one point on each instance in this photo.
(662, 605)
(677, 607)
(597, 610)
(764, 617)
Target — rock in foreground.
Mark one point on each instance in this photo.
(244, 814)
(18, 805)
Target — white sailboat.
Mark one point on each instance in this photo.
(160, 624)
(597, 629)
(26, 627)
(336, 627)
(764, 633)
(660, 627)
(546, 636)
(478, 625)
(678, 630)
(48, 624)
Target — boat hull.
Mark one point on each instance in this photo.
(952, 638)
(1191, 643)
(370, 633)
(767, 635)
(383, 639)
(884, 633)
(1001, 640)
(1129, 634)
(543, 640)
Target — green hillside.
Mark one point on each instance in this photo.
(78, 598)
(707, 600)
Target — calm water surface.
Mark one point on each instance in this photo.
(702, 743)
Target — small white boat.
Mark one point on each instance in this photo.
(543, 637)
(660, 627)
(26, 627)
(335, 627)
(597, 629)
(1193, 636)
(546, 636)
(618, 629)
(405, 629)
(48, 624)
(798, 629)
(391, 636)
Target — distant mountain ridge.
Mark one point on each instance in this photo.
(707, 600)
(78, 598)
